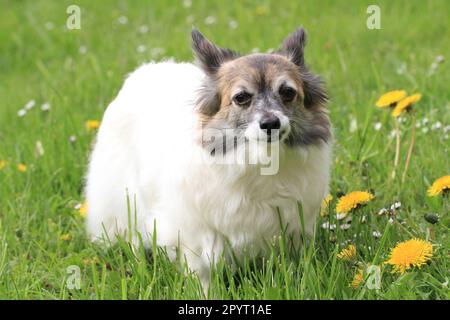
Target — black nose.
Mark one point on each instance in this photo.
(270, 123)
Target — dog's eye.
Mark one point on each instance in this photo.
(242, 98)
(287, 93)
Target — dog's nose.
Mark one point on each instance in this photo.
(270, 123)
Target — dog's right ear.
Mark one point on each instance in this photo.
(209, 56)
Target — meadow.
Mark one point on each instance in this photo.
(54, 80)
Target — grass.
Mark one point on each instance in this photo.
(78, 72)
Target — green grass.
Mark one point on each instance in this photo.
(37, 206)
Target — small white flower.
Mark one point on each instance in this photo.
(45, 106)
(341, 216)
(382, 211)
(425, 130)
(255, 50)
(78, 206)
(440, 58)
(436, 125)
(391, 220)
(353, 125)
(157, 52)
(233, 24)
(72, 139)
(446, 129)
(187, 3)
(402, 68)
(396, 206)
(392, 134)
(82, 50)
(418, 125)
(30, 105)
(327, 225)
(49, 25)
(190, 19)
(141, 48)
(209, 20)
(143, 29)
(39, 149)
(22, 112)
(377, 126)
(376, 234)
(123, 20)
(345, 226)
(424, 121)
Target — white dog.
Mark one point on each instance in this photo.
(151, 167)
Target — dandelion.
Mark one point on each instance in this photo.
(348, 253)
(411, 253)
(22, 167)
(92, 125)
(439, 186)
(325, 205)
(357, 279)
(65, 237)
(3, 164)
(351, 201)
(406, 104)
(390, 98)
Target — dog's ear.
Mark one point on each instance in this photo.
(208, 55)
(293, 46)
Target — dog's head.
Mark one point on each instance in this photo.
(262, 96)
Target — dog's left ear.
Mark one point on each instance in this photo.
(209, 56)
(293, 46)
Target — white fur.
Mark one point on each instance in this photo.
(146, 147)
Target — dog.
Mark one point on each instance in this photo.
(154, 165)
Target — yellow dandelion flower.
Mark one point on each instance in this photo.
(357, 279)
(390, 98)
(406, 104)
(65, 237)
(351, 201)
(348, 253)
(82, 209)
(92, 125)
(22, 167)
(3, 164)
(411, 253)
(439, 186)
(325, 205)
